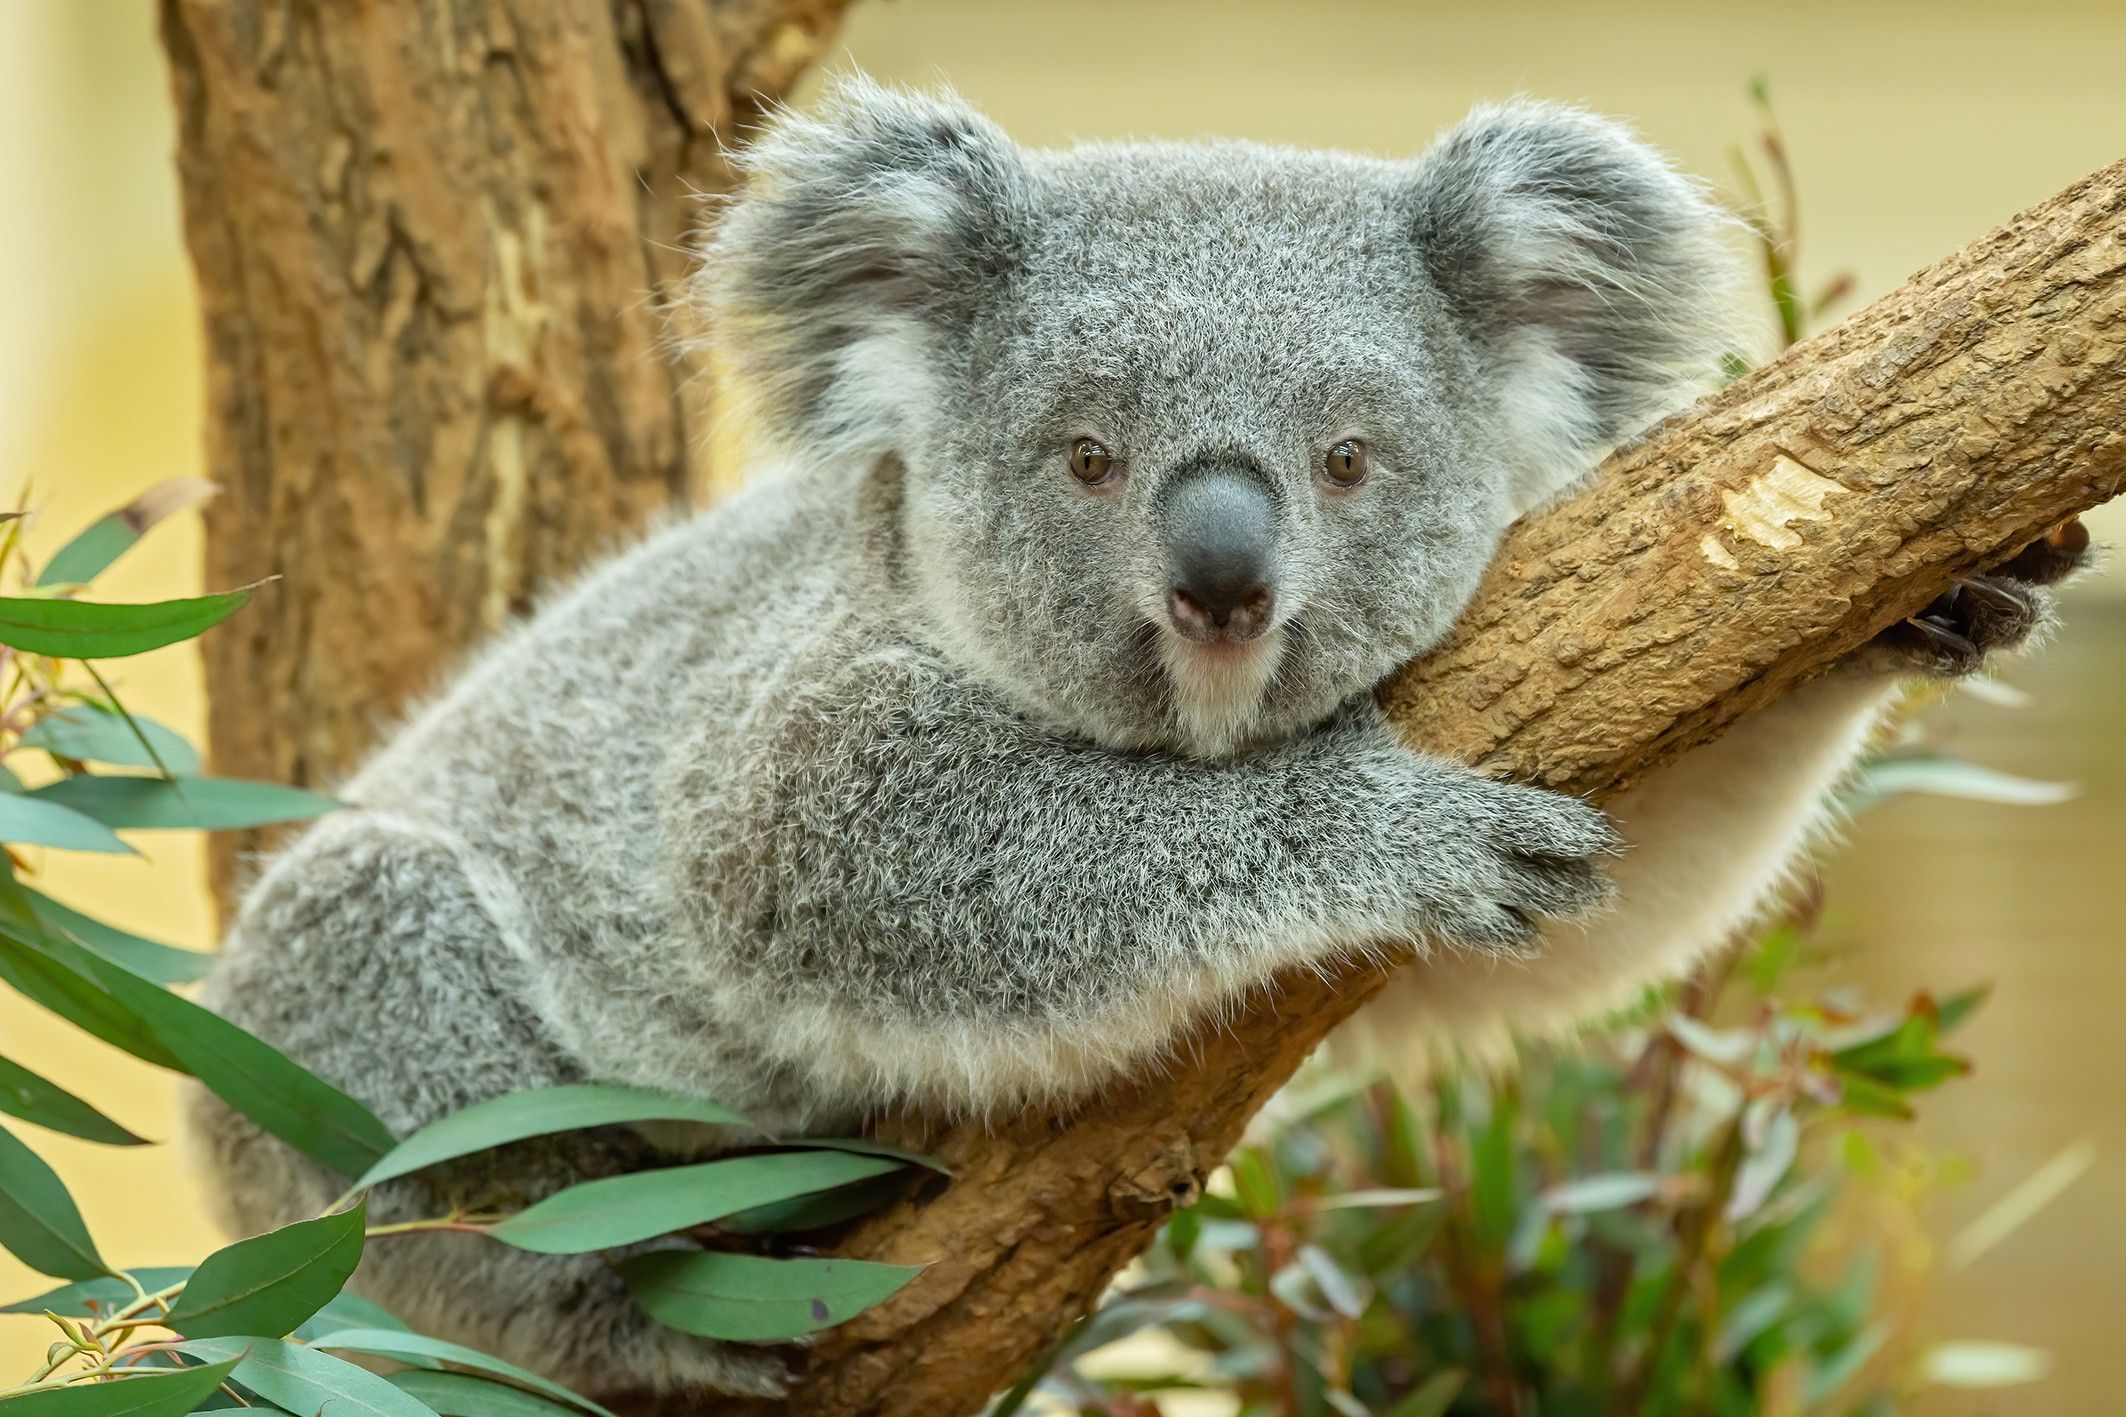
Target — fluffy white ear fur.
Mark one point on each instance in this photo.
(858, 231)
(1599, 284)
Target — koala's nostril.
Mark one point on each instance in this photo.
(1221, 538)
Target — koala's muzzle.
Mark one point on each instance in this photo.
(1221, 544)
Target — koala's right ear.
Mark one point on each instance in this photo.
(861, 234)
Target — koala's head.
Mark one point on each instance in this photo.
(1198, 441)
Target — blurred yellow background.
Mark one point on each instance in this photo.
(1915, 127)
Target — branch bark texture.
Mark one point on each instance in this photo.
(433, 240)
(1742, 547)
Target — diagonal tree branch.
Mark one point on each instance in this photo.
(1742, 547)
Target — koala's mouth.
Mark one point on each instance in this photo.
(1219, 684)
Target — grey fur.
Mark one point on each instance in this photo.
(887, 781)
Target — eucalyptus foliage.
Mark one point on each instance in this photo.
(266, 1322)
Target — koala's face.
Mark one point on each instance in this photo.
(1200, 441)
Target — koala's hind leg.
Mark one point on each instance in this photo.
(369, 955)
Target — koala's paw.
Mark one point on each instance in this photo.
(1516, 856)
(1979, 615)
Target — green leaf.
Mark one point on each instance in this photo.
(149, 1395)
(253, 1076)
(349, 1310)
(542, 1112)
(751, 1298)
(270, 1283)
(818, 1210)
(1948, 777)
(27, 966)
(32, 1098)
(1432, 1397)
(26, 819)
(248, 1073)
(151, 960)
(620, 1210)
(183, 803)
(109, 537)
(95, 734)
(305, 1380)
(423, 1351)
(101, 1294)
(867, 1147)
(82, 629)
(39, 1223)
(457, 1395)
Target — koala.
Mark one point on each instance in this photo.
(1018, 714)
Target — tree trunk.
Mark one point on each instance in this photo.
(434, 240)
(1742, 547)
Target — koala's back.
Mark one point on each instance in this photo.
(547, 755)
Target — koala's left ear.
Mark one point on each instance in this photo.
(860, 235)
(1596, 281)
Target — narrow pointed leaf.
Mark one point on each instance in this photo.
(542, 1112)
(458, 1395)
(92, 733)
(422, 1351)
(168, 1394)
(34, 1099)
(88, 1297)
(751, 1298)
(346, 1310)
(150, 959)
(304, 1380)
(109, 537)
(32, 821)
(248, 1073)
(183, 803)
(82, 629)
(273, 1282)
(39, 1223)
(620, 1210)
(28, 967)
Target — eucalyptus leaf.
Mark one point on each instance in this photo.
(92, 733)
(27, 965)
(422, 1351)
(270, 1283)
(459, 1395)
(542, 1112)
(754, 1299)
(110, 536)
(124, 803)
(1604, 1192)
(303, 1380)
(32, 820)
(159, 1394)
(39, 1223)
(150, 959)
(248, 1073)
(87, 1297)
(34, 1099)
(83, 629)
(346, 1310)
(621, 1210)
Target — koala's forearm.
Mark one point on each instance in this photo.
(982, 908)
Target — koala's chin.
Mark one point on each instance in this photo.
(1218, 690)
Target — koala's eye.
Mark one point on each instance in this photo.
(1347, 463)
(1090, 462)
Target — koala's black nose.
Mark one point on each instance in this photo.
(1221, 539)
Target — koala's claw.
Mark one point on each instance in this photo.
(1997, 611)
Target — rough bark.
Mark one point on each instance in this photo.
(1740, 548)
(433, 239)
